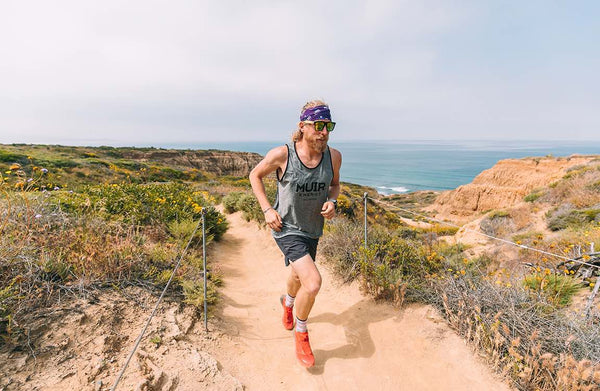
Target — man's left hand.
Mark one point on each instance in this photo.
(328, 210)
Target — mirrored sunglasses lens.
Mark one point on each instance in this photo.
(330, 126)
(319, 126)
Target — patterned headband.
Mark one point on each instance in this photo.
(316, 113)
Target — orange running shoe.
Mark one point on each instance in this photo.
(288, 317)
(303, 350)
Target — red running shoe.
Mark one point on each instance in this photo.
(288, 316)
(303, 350)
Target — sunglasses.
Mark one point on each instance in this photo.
(320, 125)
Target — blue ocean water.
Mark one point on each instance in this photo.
(402, 166)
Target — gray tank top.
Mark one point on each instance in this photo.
(301, 193)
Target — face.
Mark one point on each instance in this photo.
(317, 140)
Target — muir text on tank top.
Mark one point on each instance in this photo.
(301, 193)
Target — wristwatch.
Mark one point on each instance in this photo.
(334, 203)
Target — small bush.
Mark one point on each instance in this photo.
(9, 157)
(497, 223)
(9, 296)
(248, 204)
(231, 200)
(556, 288)
(182, 231)
(496, 214)
(565, 216)
(193, 292)
(340, 246)
(534, 195)
(440, 230)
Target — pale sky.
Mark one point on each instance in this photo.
(150, 72)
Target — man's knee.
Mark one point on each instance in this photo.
(313, 285)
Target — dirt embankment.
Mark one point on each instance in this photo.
(502, 186)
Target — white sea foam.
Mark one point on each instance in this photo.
(392, 190)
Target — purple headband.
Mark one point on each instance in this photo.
(316, 113)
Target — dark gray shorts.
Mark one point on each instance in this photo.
(295, 247)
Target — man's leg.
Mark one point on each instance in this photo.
(288, 300)
(310, 283)
(293, 283)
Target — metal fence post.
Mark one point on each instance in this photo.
(365, 198)
(204, 265)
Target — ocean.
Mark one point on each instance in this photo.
(394, 167)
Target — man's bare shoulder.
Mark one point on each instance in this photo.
(277, 154)
(335, 154)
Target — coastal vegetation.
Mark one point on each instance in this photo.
(77, 220)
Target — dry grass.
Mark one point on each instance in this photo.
(49, 253)
(577, 188)
(538, 348)
(527, 333)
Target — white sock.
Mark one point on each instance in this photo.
(301, 326)
(289, 300)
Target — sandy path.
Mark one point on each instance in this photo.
(358, 344)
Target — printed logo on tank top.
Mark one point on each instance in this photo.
(310, 189)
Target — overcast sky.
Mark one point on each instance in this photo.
(150, 72)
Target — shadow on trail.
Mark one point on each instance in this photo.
(355, 321)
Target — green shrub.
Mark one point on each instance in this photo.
(9, 295)
(230, 201)
(534, 195)
(557, 288)
(182, 231)
(391, 266)
(496, 214)
(61, 163)
(9, 157)
(193, 292)
(99, 162)
(248, 204)
(141, 204)
(565, 216)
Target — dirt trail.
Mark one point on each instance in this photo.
(358, 344)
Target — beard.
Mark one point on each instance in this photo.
(319, 145)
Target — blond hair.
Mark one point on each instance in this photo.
(297, 134)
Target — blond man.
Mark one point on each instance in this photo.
(308, 184)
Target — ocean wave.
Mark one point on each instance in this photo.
(392, 190)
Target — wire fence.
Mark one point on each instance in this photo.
(184, 251)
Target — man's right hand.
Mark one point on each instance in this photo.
(273, 220)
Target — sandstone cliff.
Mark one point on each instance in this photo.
(502, 186)
(211, 161)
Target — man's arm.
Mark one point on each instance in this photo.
(275, 158)
(328, 210)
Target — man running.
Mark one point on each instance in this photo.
(308, 184)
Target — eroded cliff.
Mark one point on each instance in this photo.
(502, 186)
(216, 162)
